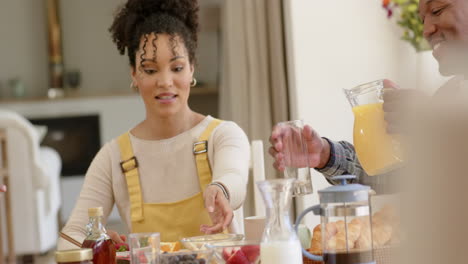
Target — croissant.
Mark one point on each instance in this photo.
(385, 225)
(381, 234)
(364, 242)
(386, 215)
(340, 242)
(331, 230)
(340, 225)
(384, 230)
(316, 242)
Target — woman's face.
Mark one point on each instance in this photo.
(163, 74)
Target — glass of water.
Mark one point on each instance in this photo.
(296, 156)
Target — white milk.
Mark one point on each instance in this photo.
(281, 252)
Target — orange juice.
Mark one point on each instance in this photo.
(378, 152)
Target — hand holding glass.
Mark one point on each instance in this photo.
(295, 156)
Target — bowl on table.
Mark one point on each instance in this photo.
(200, 242)
(236, 252)
(186, 256)
(123, 257)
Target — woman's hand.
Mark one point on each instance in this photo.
(3, 188)
(116, 237)
(318, 149)
(218, 207)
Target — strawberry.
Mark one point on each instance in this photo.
(238, 258)
(142, 258)
(227, 253)
(121, 247)
(251, 252)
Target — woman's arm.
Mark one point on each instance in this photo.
(229, 152)
(231, 157)
(96, 191)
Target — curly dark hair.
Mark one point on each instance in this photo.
(138, 18)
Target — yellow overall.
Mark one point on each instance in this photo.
(172, 220)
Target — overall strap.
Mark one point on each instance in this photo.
(200, 150)
(129, 167)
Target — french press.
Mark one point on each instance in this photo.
(345, 234)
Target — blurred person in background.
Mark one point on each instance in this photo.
(434, 189)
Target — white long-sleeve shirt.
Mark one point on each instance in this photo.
(167, 171)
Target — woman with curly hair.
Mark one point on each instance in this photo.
(177, 172)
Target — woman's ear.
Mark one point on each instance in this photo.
(133, 75)
(192, 69)
(133, 84)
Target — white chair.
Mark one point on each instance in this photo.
(34, 186)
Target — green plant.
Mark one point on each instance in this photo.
(409, 20)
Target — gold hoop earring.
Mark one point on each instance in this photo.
(133, 87)
(193, 82)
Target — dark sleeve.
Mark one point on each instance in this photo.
(343, 161)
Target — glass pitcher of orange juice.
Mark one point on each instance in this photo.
(378, 152)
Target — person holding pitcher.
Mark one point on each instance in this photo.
(341, 158)
(445, 24)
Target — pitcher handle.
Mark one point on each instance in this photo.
(316, 210)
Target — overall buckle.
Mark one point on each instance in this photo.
(197, 150)
(134, 165)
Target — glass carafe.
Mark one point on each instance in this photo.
(378, 152)
(280, 243)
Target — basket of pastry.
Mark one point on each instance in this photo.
(355, 239)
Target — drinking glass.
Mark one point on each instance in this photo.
(296, 156)
(144, 248)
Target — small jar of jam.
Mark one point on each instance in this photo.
(74, 256)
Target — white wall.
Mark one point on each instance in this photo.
(87, 45)
(337, 44)
(96, 56)
(23, 45)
